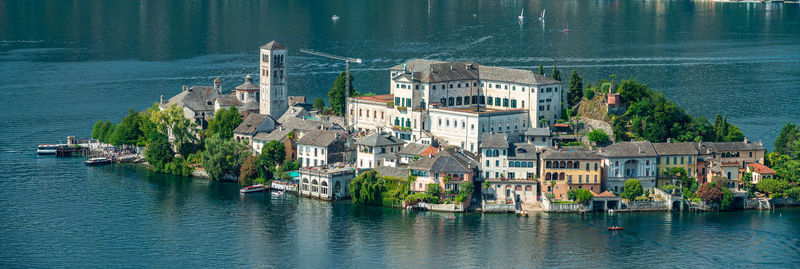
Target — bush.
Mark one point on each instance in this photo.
(670, 188)
(598, 136)
(633, 189)
(727, 199)
(433, 190)
(793, 193)
(709, 193)
(772, 186)
(588, 93)
(579, 195)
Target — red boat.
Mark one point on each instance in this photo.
(253, 188)
(615, 228)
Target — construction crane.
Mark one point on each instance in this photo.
(347, 61)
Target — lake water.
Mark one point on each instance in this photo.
(66, 64)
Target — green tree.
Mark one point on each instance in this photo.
(366, 189)
(620, 130)
(556, 74)
(793, 193)
(633, 189)
(433, 190)
(96, 129)
(632, 91)
(249, 171)
(224, 122)
(598, 136)
(104, 131)
(273, 154)
(788, 135)
(575, 89)
(588, 93)
(733, 134)
(726, 202)
(772, 186)
(223, 157)
(337, 94)
(319, 103)
(182, 131)
(541, 69)
(581, 196)
(128, 131)
(158, 151)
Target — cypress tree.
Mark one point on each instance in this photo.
(541, 69)
(556, 74)
(575, 89)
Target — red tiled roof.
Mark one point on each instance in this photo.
(761, 169)
(606, 194)
(429, 151)
(377, 98)
(560, 125)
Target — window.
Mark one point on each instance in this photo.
(451, 85)
(440, 122)
(487, 163)
(595, 167)
(451, 101)
(513, 103)
(490, 100)
(497, 101)
(513, 88)
(496, 163)
(667, 160)
(397, 101)
(497, 86)
(433, 87)
(682, 159)
(408, 102)
(472, 127)
(690, 159)
(458, 101)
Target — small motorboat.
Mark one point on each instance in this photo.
(522, 15)
(615, 228)
(97, 161)
(253, 188)
(279, 192)
(565, 30)
(542, 17)
(335, 17)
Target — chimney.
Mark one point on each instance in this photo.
(641, 150)
(745, 140)
(759, 143)
(162, 99)
(451, 67)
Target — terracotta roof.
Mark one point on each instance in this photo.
(605, 194)
(760, 168)
(418, 150)
(273, 45)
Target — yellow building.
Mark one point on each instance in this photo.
(675, 155)
(568, 168)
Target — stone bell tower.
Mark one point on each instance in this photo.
(274, 94)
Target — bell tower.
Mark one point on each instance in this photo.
(274, 94)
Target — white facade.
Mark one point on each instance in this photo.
(370, 157)
(310, 156)
(273, 74)
(618, 170)
(494, 163)
(326, 183)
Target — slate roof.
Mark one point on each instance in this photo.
(228, 100)
(273, 45)
(432, 71)
(196, 98)
(398, 172)
(250, 124)
(496, 141)
(522, 151)
(446, 161)
(378, 139)
(321, 138)
(683, 148)
(277, 135)
(251, 106)
(514, 75)
(629, 149)
(732, 146)
(248, 85)
(307, 124)
(538, 132)
(761, 169)
(569, 153)
(414, 149)
(293, 112)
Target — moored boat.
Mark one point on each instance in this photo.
(97, 161)
(253, 188)
(46, 149)
(615, 228)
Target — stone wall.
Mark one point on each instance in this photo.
(498, 208)
(778, 202)
(645, 205)
(550, 207)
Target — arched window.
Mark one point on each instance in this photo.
(447, 123)
(496, 153)
(516, 164)
(408, 122)
(577, 165)
(440, 122)
(466, 99)
(458, 101)
(547, 164)
(463, 125)
(530, 164)
(444, 101)
(518, 188)
(563, 164)
(451, 101)
(561, 176)
(524, 164)
(528, 188)
(569, 164)
(510, 164)
(547, 176)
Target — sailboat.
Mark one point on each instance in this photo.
(542, 17)
(522, 14)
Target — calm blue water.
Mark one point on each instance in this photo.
(66, 64)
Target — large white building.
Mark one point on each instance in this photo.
(458, 101)
(629, 160)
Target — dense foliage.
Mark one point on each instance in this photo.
(319, 103)
(556, 74)
(709, 193)
(650, 116)
(337, 94)
(787, 142)
(772, 186)
(224, 122)
(575, 90)
(223, 157)
(598, 136)
(580, 195)
(633, 189)
(369, 188)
